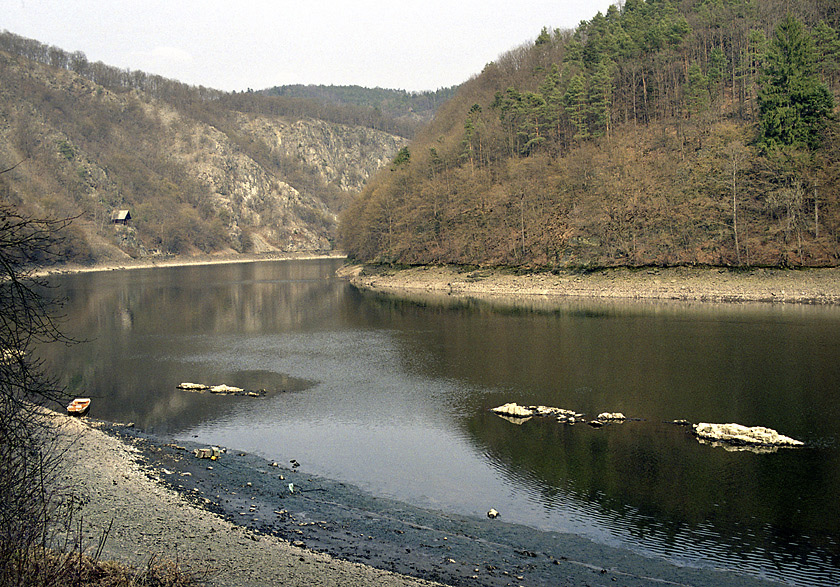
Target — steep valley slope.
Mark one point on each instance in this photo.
(195, 175)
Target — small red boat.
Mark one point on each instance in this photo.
(79, 406)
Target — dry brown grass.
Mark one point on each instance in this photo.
(81, 570)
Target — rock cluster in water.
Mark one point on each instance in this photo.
(220, 389)
(523, 413)
(730, 436)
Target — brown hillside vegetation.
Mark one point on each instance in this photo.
(200, 171)
(660, 133)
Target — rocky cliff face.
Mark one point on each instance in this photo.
(195, 178)
(345, 155)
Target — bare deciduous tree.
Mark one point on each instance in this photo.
(28, 460)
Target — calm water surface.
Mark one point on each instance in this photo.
(393, 396)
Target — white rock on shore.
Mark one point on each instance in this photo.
(737, 434)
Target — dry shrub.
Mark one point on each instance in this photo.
(59, 569)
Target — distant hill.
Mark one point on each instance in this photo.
(412, 109)
(658, 133)
(199, 170)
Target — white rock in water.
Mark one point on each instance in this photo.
(611, 416)
(738, 434)
(559, 412)
(225, 389)
(194, 386)
(514, 409)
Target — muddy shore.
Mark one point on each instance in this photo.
(238, 520)
(803, 286)
(152, 519)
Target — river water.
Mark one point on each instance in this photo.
(393, 396)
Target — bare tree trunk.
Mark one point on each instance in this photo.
(522, 223)
(735, 206)
(816, 215)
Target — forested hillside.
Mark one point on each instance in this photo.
(410, 110)
(686, 132)
(199, 171)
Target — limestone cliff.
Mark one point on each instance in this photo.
(195, 175)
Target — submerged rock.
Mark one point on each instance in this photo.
(738, 435)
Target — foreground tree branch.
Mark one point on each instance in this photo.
(28, 461)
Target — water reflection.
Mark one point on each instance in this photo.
(393, 395)
(141, 327)
(758, 365)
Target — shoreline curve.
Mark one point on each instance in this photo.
(700, 284)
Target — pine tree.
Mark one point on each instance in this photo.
(600, 97)
(577, 106)
(794, 106)
(827, 45)
(552, 93)
(697, 91)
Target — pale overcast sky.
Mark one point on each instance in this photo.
(240, 44)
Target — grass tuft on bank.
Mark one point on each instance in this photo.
(75, 569)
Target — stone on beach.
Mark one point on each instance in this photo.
(213, 452)
(742, 435)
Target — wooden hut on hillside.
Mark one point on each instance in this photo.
(120, 217)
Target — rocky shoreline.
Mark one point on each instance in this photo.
(248, 522)
(118, 484)
(706, 284)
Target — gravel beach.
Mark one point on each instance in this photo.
(804, 286)
(151, 519)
